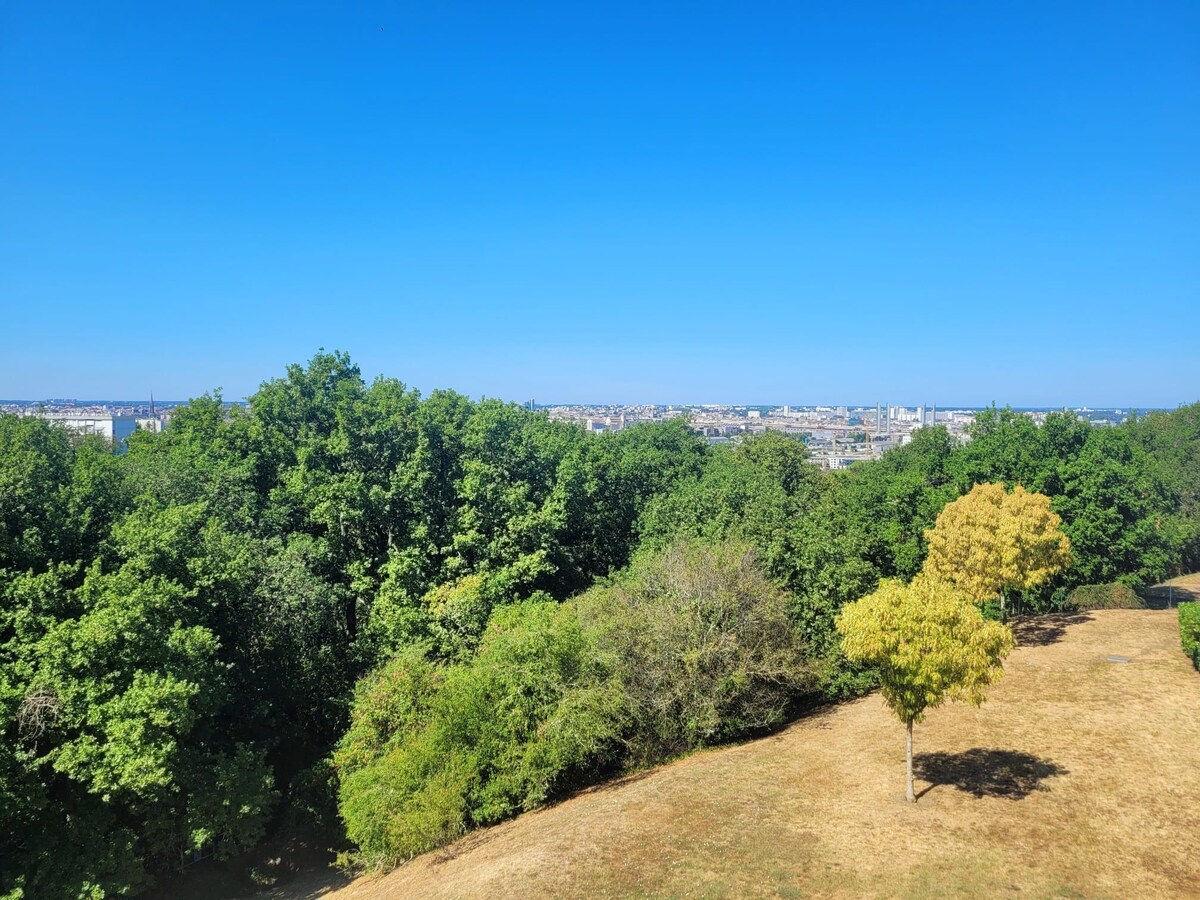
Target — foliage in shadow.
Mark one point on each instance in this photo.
(987, 773)
(1044, 630)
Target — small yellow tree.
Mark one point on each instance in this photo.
(929, 643)
(989, 542)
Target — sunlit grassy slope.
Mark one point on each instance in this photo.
(1079, 778)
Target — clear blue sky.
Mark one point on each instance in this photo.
(953, 202)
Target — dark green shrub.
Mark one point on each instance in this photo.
(1189, 628)
(1104, 596)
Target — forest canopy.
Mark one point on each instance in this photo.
(240, 616)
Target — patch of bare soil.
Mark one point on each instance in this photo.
(1077, 778)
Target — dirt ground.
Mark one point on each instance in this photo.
(1079, 778)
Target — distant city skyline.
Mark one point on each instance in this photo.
(836, 436)
(630, 202)
(548, 404)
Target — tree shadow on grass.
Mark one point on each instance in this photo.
(986, 773)
(1040, 631)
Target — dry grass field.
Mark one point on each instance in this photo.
(1079, 778)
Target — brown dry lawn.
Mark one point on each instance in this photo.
(1079, 778)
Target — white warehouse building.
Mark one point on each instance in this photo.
(109, 427)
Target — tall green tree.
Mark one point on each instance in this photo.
(891, 502)
(766, 493)
(125, 720)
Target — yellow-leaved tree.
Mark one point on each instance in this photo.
(929, 642)
(989, 542)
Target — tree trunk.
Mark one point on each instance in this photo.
(912, 797)
(1002, 617)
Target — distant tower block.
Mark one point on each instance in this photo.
(934, 421)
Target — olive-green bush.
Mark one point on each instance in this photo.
(1104, 596)
(703, 646)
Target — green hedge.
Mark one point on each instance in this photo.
(1104, 596)
(1189, 628)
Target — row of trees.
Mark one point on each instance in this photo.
(183, 626)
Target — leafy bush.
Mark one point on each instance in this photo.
(702, 645)
(692, 647)
(1104, 596)
(434, 750)
(1189, 628)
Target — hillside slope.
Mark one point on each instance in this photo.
(1078, 777)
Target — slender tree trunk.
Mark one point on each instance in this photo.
(1002, 616)
(910, 795)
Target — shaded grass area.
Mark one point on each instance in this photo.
(1076, 779)
(1185, 588)
(986, 773)
(1040, 631)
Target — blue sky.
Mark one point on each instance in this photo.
(710, 202)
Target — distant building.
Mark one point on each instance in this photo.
(109, 427)
(840, 462)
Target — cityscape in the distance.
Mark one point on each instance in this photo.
(837, 436)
